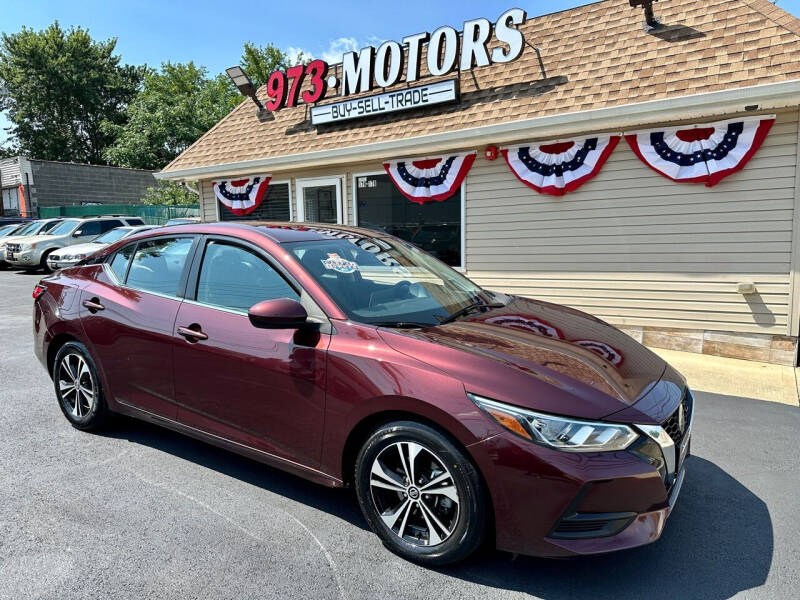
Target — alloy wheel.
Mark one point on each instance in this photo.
(76, 385)
(414, 493)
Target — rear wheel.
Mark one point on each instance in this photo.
(421, 494)
(77, 386)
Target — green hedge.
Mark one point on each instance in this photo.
(152, 215)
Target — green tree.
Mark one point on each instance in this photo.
(60, 87)
(169, 193)
(260, 62)
(176, 106)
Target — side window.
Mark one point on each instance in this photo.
(236, 278)
(133, 221)
(119, 263)
(90, 229)
(109, 225)
(158, 264)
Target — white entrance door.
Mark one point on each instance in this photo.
(10, 202)
(320, 200)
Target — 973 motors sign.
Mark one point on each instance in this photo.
(482, 43)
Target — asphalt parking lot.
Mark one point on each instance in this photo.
(140, 512)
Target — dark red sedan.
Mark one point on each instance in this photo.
(351, 357)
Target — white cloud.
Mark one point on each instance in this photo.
(333, 53)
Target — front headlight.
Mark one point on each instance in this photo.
(561, 433)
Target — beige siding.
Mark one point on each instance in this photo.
(631, 246)
(636, 249)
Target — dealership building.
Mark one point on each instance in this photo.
(644, 170)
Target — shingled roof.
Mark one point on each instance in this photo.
(593, 56)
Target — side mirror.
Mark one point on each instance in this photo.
(281, 313)
(78, 233)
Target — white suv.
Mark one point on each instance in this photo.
(31, 252)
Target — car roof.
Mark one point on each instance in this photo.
(280, 232)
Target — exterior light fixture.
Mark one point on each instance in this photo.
(245, 86)
(491, 152)
(650, 21)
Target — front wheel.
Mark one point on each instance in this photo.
(421, 494)
(78, 389)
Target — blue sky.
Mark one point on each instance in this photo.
(212, 33)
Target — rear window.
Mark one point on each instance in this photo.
(119, 264)
(158, 264)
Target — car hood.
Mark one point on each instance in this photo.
(18, 239)
(549, 358)
(89, 248)
(29, 239)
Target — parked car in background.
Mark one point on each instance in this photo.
(72, 255)
(182, 221)
(9, 229)
(31, 252)
(351, 357)
(32, 228)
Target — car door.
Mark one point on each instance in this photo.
(259, 387)
(128, 316)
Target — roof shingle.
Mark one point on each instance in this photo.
(594, 56)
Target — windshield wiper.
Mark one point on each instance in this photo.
(478, 304)
(402, 324)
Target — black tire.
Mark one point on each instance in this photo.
(88, 415)
(467, 524)
(43, 262)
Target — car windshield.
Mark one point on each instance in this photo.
(388, 282)
(109, 237)
(30, 228)
(65, 228)
(6, 229)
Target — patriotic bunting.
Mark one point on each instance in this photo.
(701, 153)
(558, 168)
(242, 196)
(430, 179)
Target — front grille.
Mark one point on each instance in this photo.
(13, 247)
(677, 425)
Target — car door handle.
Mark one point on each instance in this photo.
(191, 334)
(93, 305)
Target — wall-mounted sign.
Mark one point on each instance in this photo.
(480, 44)
(405, 99)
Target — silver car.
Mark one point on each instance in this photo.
(72, 255)
(31, 228)
(31, 252)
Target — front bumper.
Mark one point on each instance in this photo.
(557, 504)
(23, 259)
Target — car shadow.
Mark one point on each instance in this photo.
(717, 542)
(338, 502)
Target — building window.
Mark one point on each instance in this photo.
(434, 226)
(274, 207)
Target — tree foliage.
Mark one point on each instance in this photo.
(176, 106)
(169, 193)
(61, 86)
(260, 62)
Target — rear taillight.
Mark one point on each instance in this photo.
(38, 291)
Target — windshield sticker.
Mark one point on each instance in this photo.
(334, 262)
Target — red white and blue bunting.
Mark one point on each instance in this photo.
(704, 153)
(560, 167)
(242, 196)
(429, 179)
